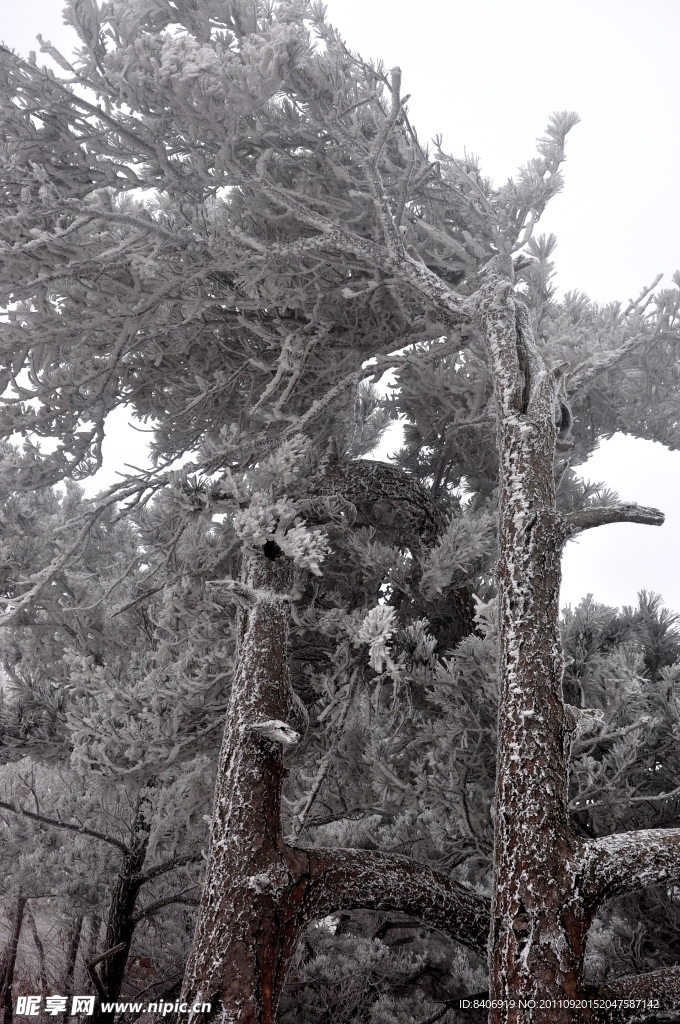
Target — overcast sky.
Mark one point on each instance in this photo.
(487, 75)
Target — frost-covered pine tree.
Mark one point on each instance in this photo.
(103, 816)
(217, 215)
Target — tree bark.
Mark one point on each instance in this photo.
(538, 926)
(260, 892)
(92, 943)
(9, 959)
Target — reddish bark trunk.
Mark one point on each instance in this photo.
(260, 893)
(547, 882)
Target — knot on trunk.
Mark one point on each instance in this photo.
(277, 731)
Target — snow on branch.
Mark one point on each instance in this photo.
(277, 731)
(645, 326)
(116, 493)
(625, 512)
(627, 861)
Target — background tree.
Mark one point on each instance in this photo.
(127, 828)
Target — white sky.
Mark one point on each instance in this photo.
(487, 74)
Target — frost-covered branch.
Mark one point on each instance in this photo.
(453, 308)
(627, 861)
(370, 879)
(67, 826)
(327, 760)
(625, 512)
(662, 985)
(584, 376)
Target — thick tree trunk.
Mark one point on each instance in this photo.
(9, 959)
(547, 882)
(260, 893)
(539, 923)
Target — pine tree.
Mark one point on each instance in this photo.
(124, 832)
(214, 221)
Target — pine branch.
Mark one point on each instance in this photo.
(168, 865)
(99, 959)
(381, 203)
(438, 1014)
(625, 512)
(586, 804)
(373, 880)
(453, 308)
(622, 863)
(327, 760)
(584, 376)
(65, 825)
(662, 985)
(76, 100)
(189, 901)
(151, 482)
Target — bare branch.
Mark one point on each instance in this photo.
(438, 1014)
(190, 901)
(97, 960)
(169, 865)
(373, 880)
(625, 512)
(619, 864)
(66, 825)
(584, 805)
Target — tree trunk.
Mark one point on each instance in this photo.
(92, 944)
(72, 945)
(548, 882)
(9, 959)
(42, 963)
(260, 892)
(539, 925)
(120, 923)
